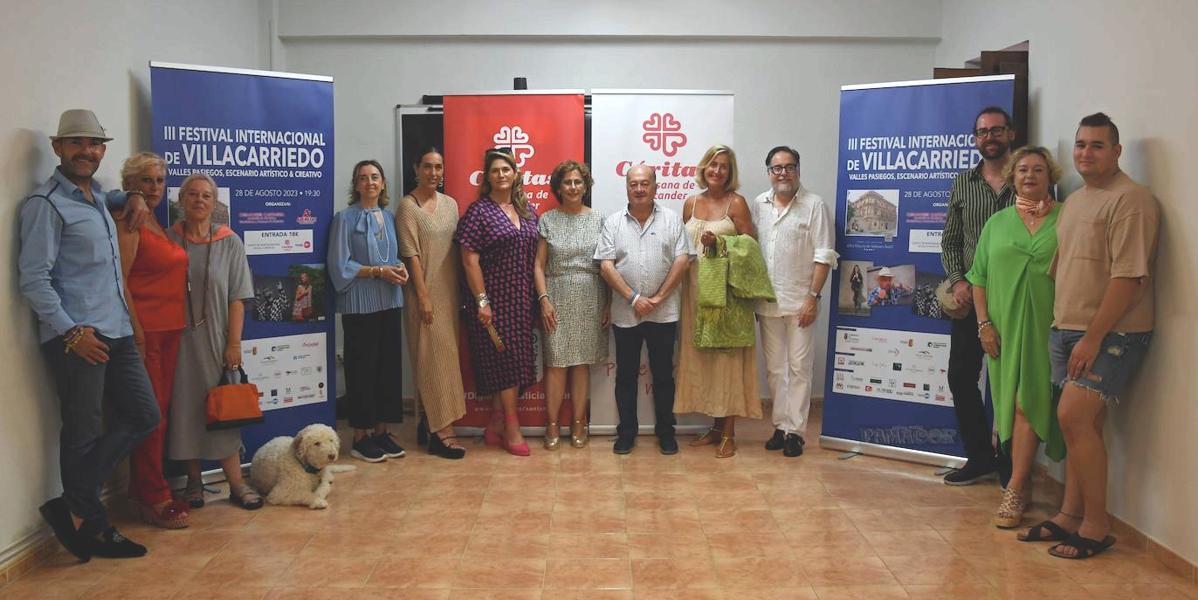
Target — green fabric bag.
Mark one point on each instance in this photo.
(725, 328)
(713, 276)
(747, 275)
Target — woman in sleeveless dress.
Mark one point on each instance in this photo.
(427, 220)
(718, 383)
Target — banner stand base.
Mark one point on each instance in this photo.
(915, 456)
(595, 430)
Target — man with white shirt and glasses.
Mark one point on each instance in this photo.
(643, 252)
(799, 247)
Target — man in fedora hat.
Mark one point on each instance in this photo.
(887, 292)
(70, 271)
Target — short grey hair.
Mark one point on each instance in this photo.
(194, 177)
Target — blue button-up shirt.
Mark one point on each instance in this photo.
(70, 263)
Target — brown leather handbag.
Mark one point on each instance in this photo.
(233, 402)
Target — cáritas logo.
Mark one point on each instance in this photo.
(663, 133)
(514, 137)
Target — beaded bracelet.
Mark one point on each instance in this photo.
(984, 324)
(71, 338)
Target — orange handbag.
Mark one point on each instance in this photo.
(233, 403)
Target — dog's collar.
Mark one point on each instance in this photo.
(309, 468)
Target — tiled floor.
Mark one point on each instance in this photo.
(589, 524)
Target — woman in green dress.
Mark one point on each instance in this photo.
(1013, 294)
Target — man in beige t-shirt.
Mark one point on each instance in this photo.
(1102, 323)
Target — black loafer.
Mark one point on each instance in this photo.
(668, 445)
(58, 516)
(624, 445)
(775, 442)
(111, 544)
(970, 474)
(792, 446)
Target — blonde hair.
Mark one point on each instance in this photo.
(136, 164)
(733, 173)
(1054, 170)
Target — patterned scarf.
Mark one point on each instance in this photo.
(1032, 208)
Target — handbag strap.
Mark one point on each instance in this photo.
(718, 249)
(226, 379)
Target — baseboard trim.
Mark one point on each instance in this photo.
(1127, 533)
(28, 552)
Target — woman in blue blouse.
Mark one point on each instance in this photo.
(365, 268)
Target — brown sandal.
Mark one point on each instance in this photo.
(246, 497)
(708, 438)
(727, 447)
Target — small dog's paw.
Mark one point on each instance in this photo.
(319, 503)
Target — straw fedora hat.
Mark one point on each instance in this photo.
(948, 303)
(80, 122)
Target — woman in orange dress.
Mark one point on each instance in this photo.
(155, 271)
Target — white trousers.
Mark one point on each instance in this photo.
(789, 361)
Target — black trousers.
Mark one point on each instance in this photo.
(89, 451)
(964, 369)
(373, 373)
(659, 338)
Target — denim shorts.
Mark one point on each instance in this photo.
(1118, 357)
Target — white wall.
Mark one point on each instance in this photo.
(1134, 61)
(786, 84)
(77, 54)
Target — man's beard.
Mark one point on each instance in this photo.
(989, 153)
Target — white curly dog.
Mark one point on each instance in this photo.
(298, 470)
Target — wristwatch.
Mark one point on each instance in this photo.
(483, 301)
(815, 295)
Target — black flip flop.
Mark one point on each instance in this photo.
(1055, 533)
(1086, 547)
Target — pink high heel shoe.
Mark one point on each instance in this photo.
(520, 449)
(491, 433)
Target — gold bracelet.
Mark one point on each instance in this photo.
(71, 338)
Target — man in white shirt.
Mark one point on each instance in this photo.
(799, 246)
(643, 252)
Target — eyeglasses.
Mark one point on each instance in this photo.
(992, 132)
(573, 183)
(780, 169)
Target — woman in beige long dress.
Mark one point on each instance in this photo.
(427, 220)
(718, 383)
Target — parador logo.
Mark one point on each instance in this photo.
(663, 133)
(514, 137)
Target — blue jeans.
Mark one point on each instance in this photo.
(88, 453)
(1119, 355)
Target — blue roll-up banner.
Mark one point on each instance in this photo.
(901, 146)
(266, 138)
